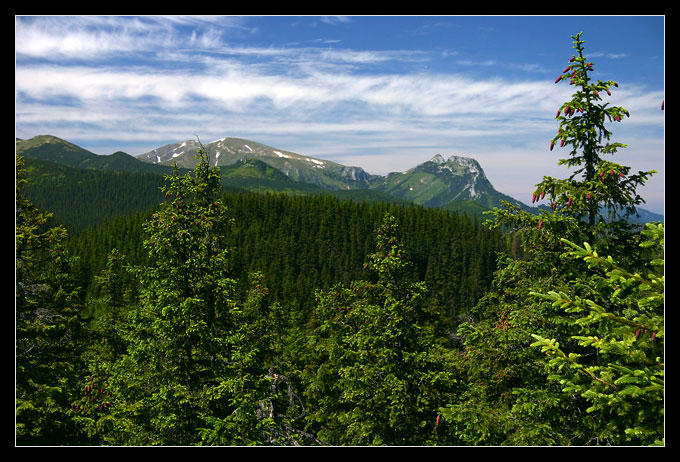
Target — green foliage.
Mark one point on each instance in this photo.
(603, 380)
(80, 198)
(188, 374)
(377, 376)
(304, 243)
(505, 398)
(619, 368)
(47, 324)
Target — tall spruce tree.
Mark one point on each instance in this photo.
(190, 375)
(510, 396)
(614, 360)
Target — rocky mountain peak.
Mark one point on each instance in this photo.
(465, 163)
(438, 159)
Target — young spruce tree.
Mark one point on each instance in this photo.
(379, 376)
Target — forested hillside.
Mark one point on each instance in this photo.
(304, 243)
(301, 241)
(81, 198)
(205, 316)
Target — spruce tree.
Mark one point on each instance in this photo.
(379, 376)
(189, 376)
(614, 359)
(510, 396)
(47, 322)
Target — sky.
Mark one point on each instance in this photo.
(384, 93)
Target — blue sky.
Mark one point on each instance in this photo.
(383, 93)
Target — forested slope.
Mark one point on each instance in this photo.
(304, 243)
(81, 198)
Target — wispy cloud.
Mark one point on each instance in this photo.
(335, 19)
(307, 95)
(100, 37)
(237, 87)
(601, 54)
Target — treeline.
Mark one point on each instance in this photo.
(300, 242)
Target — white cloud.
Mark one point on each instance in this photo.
(40, 43)
(79, 37)
(100, 37)
(417, 104)
(334, 19)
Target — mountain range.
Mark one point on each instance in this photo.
(453, 183)
(229, 151)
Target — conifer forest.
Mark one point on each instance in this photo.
(170, 310)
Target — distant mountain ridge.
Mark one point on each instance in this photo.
(453, 183)
(52, 149)
(227, 151)
(435, 183)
